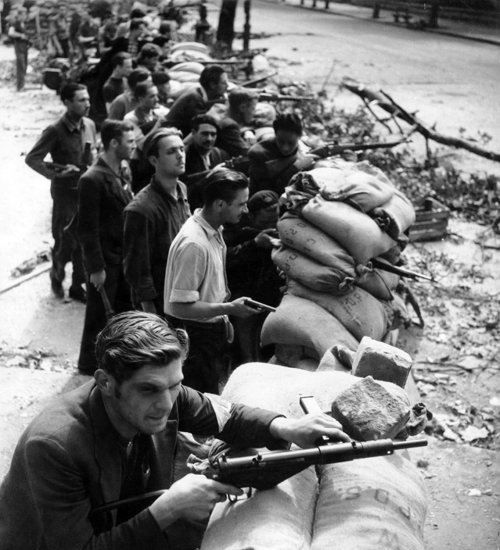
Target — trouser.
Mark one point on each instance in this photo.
(21, 51)
(118, 293)
(66, 246)
(208, 358)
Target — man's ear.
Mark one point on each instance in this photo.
(153, 161)
(104, 381)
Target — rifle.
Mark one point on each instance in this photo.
(330, 149)
(252, 83)
(270, 96)
(240, 163)
(385, 266)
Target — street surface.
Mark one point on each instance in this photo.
(449, 81)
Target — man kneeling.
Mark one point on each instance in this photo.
(116, 437)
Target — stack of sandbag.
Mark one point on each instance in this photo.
(338, 218)
(367, 504)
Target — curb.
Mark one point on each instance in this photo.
(453, 34)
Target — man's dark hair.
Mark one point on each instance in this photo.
(160, 77)
(134, 339)
(211, 75)
(198, 120)
(161, 40)
(136, 22)
(148, 51)
(222, 184)
(288, 122)
(113, 129)
(119, 58)
(142, 89)
(151, 143)
(240, 96)
(136, 76)
(69, 90)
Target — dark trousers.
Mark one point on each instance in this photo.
(66, 246)
(21, 51)
(118, 293)
(207, 358)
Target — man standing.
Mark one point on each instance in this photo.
(275, 160)
(201, 156)
(116, 438)
(71, 142)
(17, 32)
(196, 292)
(153, 219)
(121, 64)
(103, 194)
(197, 101)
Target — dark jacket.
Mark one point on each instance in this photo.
(71, 460)
(152, 220)
(269, 168)
(65, 143)
(102, 199)
(184, 108)
(230, 139)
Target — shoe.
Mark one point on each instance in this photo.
(56, 285)
(77, 293)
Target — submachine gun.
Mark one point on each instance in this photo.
(266, 470)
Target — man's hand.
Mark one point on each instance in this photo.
(266, 238)
(68, 169)
(98, 279)
(305, 431)
(191, 498)
(239, 309)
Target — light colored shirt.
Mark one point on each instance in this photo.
(196, 266)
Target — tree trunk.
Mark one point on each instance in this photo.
(225, 30)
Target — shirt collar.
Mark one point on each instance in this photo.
(71, 125)
(156, 185)
(209, 230)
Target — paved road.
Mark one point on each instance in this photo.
(449, 80)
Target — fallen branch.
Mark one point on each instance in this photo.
(387, 103)
(448, 365)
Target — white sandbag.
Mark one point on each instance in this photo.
(185, 76)
(364, 191)
(377, 282)
(395, 216)
(187, 66)
(300, 235)
(195, 46)
(371, 504)
(368, 504)
(301, 322)
(277, 519)
(178, 88)
(352, 229)
(359, 312)
(310, 273)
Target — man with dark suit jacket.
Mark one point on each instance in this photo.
(117, 438)
(103, 195)
(198, 100)
(201, 156)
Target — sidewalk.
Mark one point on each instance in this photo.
(449, 27)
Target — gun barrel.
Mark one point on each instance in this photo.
(409, 444)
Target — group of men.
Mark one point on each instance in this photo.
(167, 241)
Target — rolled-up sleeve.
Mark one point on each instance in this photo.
(188, 271)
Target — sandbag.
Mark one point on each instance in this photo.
(377, 282)
(311, 273)
(352, 229)
(185, 76)
(367, 504)
(372, 504)
(300, 235)
(362, 190)
(359, 312)
(395, 216)
(296, 357)
(301, 322)
(187, 66)
(195, 46)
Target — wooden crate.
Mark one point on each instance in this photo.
(432, 221)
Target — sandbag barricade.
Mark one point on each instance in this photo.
(366, 504)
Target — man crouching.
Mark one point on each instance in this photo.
(115, 438)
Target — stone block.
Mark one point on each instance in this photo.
(367, 410)
(382, 361)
